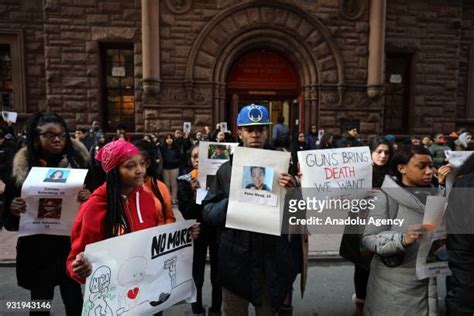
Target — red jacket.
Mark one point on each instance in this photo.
(88, 227)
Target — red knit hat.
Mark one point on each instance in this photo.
(114, 153)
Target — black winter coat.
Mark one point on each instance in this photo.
(247, 259)
(460, 245)
(171, 157)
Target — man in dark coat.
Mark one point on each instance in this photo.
(460, 243)
(254, 268)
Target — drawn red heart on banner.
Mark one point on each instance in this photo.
(132, 294)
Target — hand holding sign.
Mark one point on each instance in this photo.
(443, 172)
(413, 233)
(18, 206)
(82, 266)
(196, 230)
(286, 181)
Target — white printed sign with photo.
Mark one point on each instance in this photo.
(211, 156)
(151, 272)
(432, 257)
(320, 133)
(256, 199)
(223, 127)
(51, 200)
(187, 127)
(456, 159)
(9, 116)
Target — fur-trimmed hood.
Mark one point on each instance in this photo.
(21, 168)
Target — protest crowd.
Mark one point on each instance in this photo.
(135, 183)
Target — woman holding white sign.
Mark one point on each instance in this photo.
(48, 145)
(393, 288)
(118, 207)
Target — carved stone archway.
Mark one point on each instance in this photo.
(305, 41)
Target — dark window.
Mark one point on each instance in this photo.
(398, 70)
(6, 80)
(118, 86)
(12, 79)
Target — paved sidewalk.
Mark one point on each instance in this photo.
(7, 247)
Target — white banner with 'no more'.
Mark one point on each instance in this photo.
(140, 273)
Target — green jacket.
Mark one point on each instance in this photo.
(438, 154)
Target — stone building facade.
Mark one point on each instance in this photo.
(158, 63)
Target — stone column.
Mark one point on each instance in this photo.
(375, 80)
(151, 46)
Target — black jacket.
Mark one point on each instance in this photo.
(348, 141)
(247, 259)
(460, 245)
(171, 157)
(186, 202)
(7, 151)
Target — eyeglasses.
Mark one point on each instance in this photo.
(52, 136)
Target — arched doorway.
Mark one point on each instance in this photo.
(266, 77)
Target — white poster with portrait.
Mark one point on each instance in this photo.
(211, 156)
(51, 200)
(187, 127)
(432, 257)
(9, 116)
(456, 159)
(223, 127)
(256, 199)
(151, 272)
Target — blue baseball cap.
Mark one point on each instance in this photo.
(252, 115)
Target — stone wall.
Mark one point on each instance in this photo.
(212, 29)
(73, 29)
(430, 29)
(28, 16)
(467, 41)
(62, 58)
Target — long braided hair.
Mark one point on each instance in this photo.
(149, 151)
(116, 222)
(32, 140)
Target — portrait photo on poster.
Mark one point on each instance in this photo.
(257, 178)
(223, 127)
(438, 251)
(219, 152)
(50, 208)
(57, 176)
(187, 127)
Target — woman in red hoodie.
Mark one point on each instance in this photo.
(118, 207)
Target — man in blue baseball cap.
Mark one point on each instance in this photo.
(254, 268)
(252, 121)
